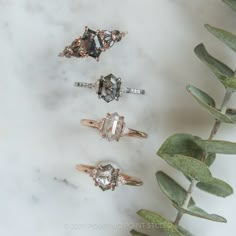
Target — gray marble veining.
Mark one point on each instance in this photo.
(41, 136)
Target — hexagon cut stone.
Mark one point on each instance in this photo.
(109, 88)
(113, 126)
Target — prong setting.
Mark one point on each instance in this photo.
(92, 43)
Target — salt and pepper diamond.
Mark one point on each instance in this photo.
(109, 88)
(106, 177)
(92, 43)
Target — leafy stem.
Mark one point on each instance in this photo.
(214, 130)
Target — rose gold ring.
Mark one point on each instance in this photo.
(107, 177)
(92, 43)
(113, 127)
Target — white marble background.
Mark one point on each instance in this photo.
(40, 132)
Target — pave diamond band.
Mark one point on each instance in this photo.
(134, 91)
(109, 88)
(113, 127)
(84, 85)
(107, 177)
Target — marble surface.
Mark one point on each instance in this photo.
(41, 136)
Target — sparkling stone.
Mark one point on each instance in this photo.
(109, 88)
(106, 177)
(120, 181)
(112, 127)
(91, 43)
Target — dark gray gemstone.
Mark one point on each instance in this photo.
(109, 88)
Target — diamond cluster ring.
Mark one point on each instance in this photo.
(92, 43)
(113, 127)
(107, 177)
(109, 88)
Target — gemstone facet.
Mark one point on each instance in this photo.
(106, 177)
(109, 88)
(113, 126)
(92, 43)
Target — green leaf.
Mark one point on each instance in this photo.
(226, 37)
(217, 146)
(208, 103)
(231, 4)
(217, 187)
(172, 189)
(136, 233)
(166, 225)
(189, 167)
(202, 97)
(183, 144)
(210, 159)
(198, 212)
(177, 195)
(221, 70)
(183, 231)
(230, 83)
(182, 152)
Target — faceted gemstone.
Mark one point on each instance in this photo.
(112, 127)
(91, 43)
(109, 88)
(106, 177)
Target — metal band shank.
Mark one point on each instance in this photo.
(92, 123)
(85, 168)
(130, 180)
(135, 133)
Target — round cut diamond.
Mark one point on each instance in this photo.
(112, 127)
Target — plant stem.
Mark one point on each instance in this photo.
(223, 110)
(187, 200)
(214, 130)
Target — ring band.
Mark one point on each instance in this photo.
(113, 127)
(107, 177)
(109, 88)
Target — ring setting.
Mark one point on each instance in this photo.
(108, 177)
(113, 127)
(92, 43)
(109, 88)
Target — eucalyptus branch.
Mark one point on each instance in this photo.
(193, 155)
(214, 130)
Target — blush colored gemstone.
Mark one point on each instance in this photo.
(112, 127)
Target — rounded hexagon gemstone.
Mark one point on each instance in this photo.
(106, 177)
(113, 126)
(109, 88)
